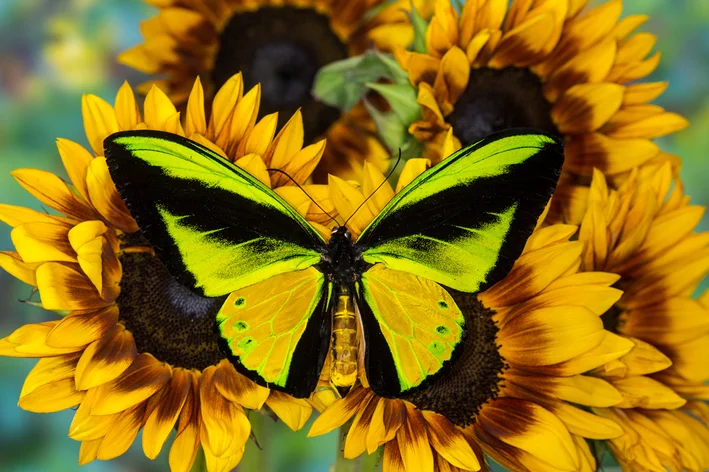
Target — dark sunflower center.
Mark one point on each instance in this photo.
(495, 100)
(473, 378)
(612, 319)
(281, 48)
(166, 319)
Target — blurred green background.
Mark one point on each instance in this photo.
(53, 51)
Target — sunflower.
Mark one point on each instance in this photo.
(133, 349)
(545, 65)
(520, 388)
(280, 45)
(644, 232)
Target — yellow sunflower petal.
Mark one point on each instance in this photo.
(48, 371)
(76, 160)
(122, 433)
(260, 136)
(347, 199)
(301, 164)
(651, 127)
(586, 107)
(89, 451)
(589, 66)
(637, 94)
(87, 240)
(78, 329)
(540, 337)
(245, 114)
(581, 389)
(412, 169)
(187, 442)
(644, 359)
(531, 428)
(254, 165)
(442, 31)
(225, 427)
(105, 198)
(583, 423)
(52, 191)
(237, 388)
(137, 383)
(413, 442)
(450, 443)
(105, 359)
(17, 215)
(294, 412)
(524, 281)
(127, 113)
(644, 392)
(63, 287)
(99, 121)
(41, 242)
(158, 108)
(338, 413)
(387, 419)
(532, 37)
(612, 347)
(161, 421)
(15, 266)
(30, 341)
(287, 142)
(356, 441)
(49, 398)
(195, 121)
(451, 79)
(85, 427)
(373, 180)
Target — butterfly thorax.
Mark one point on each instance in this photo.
(342, 261)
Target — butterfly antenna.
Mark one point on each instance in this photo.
(376, 189)
(303, 190)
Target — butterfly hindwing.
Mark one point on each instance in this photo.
(278, 330)
(464, 222)
(412, 327)
(214, 226)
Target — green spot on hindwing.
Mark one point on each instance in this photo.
(240, 302)
(442, 305)
(241, 326)
(442, 330)
(437, 348)
(246, 345)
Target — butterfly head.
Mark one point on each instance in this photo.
(339, 232)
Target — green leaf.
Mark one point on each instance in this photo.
(402, 99)
(393, 132)
(343, 83)
(420, 25)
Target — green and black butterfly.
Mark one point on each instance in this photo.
(218, 230)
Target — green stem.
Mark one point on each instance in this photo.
(341, 464)
(255, 459)
(200, 462)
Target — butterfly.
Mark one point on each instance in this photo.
(219, 231)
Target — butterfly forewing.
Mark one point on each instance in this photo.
(464, 222)
(215, 227)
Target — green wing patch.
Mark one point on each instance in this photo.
(419, 329)
(215, 227)
(471, 214)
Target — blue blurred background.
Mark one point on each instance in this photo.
(53, 51)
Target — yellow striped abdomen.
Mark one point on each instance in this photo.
(343, 368)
